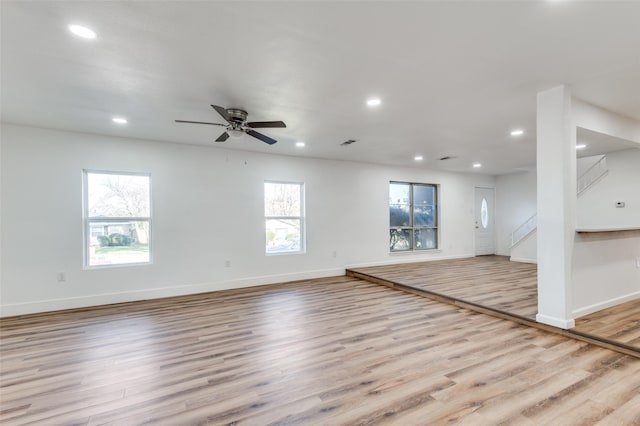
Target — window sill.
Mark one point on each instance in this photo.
(414, 252)
(286, 253)
(116, 265)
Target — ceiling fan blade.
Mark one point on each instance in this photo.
(200, 122)
(223, 137)
(223, 112)
(263, 124)
(262, 137)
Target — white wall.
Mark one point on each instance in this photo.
(207, 208)
(516, 202)
(603, 266)
(585, 163)
(604, 270)
(527, 249)
(596, 206)
(556, 204)
(594, 118)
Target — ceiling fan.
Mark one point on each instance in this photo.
(237, 124)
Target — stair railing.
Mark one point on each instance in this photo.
(523, 230)
(592, 175)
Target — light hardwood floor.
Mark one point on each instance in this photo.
(331, 351)
(492, 281)
(619, 323)
(510, 287)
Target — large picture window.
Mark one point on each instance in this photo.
(413, 216)
(117, 218)
(284, 217)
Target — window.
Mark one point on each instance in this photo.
(117, 218)
(413, 216)
(284, 217)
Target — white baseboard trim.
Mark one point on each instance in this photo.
(556, 322)
(410, 258)
(523, 260)
(157, 293)
(580, 312)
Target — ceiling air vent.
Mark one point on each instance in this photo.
(446, 157)
(349, 142)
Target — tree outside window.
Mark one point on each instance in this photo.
(413, 216)
(117, 216)
(284, 217)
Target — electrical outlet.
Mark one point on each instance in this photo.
(227, 264)
(637, 262)
(61, 277)
(334, 254)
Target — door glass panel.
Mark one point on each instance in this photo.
(484, 213)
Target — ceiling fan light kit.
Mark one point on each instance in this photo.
(236, 133)
(237, 125)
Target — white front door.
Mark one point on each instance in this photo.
(485, 221)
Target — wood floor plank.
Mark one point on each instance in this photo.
(487, 280)
(620, 323)
(497, 283)
(328, 351)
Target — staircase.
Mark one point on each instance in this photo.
(523, 230)
(590, 177)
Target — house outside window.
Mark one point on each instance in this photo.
(284, 217)
(413, 216)
(117, 218)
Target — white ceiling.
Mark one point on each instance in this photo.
(599, 143)
(454, 77)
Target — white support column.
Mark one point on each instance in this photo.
(556, 163)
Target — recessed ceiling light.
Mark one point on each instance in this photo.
(372, 102)
(477, 165)
(300, 144)
(418, 158)
(81, 31)
(119, 120)
(581, 146)
(517, 132)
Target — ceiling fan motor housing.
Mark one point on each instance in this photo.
(237, 115)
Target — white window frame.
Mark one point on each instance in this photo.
(301, 218)
(411, 225)
(86, 234)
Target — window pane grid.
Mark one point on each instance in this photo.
(413, 217)
(117, 218)
(284, 217)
